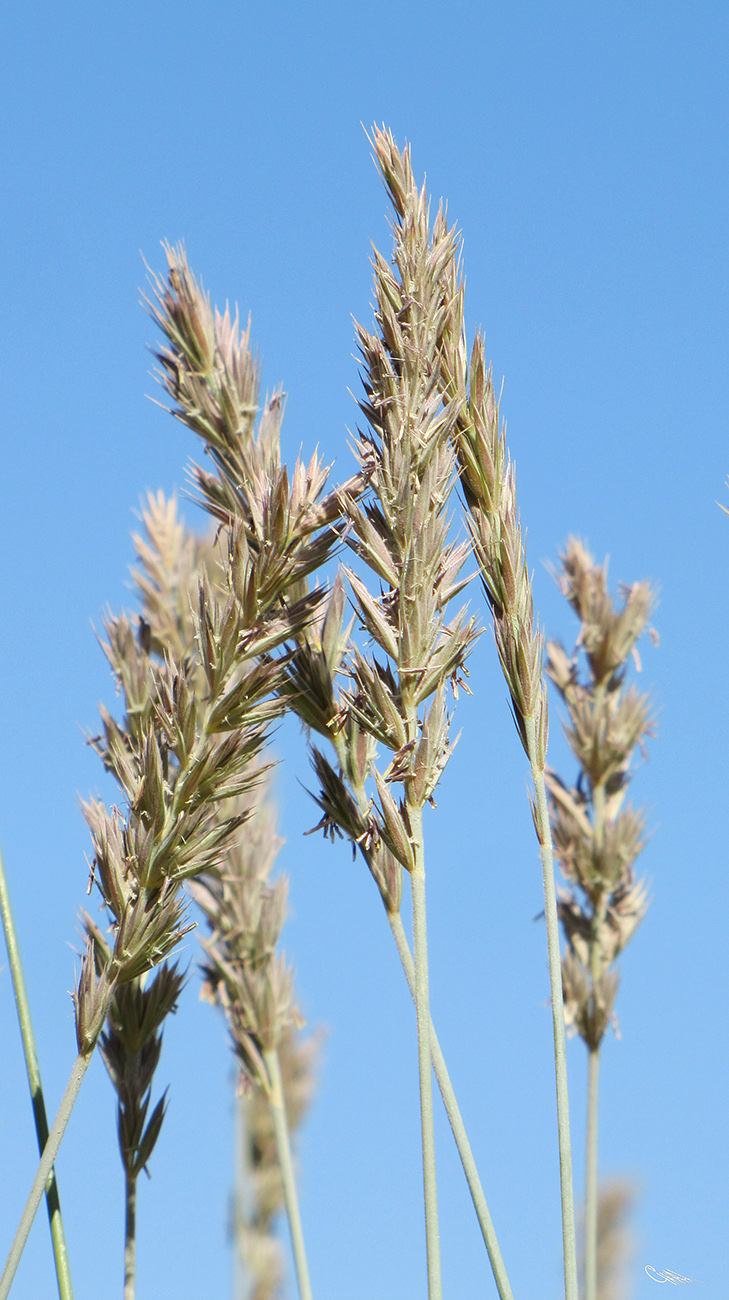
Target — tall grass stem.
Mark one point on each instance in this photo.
(447, 1093)
(544, 833)
(130, 1237)
(58, 1236)
(456, 1122)
(283, 1147)
(50, 1151)
(591, 1196)
(422, 1010)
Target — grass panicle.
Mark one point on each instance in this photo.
(597, 836)
(178, 754)
(401, 534)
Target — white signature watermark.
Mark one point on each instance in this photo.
(666, 1275)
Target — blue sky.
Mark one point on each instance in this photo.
(583, 153)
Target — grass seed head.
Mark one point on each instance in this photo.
(597, 837)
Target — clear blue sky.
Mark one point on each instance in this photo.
(583, 152)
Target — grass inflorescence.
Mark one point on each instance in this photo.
(238, 627)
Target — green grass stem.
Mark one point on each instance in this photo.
(50, 1151)
(453, 1112)
(544, 833)
(130, 1236)
(422, 1011)
(283, 1147)
(591, 1177)
(58, 1236)
(456, 1122)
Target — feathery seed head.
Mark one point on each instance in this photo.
(596, 838)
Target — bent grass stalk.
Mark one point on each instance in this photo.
(50, 1151)
(58, 1236)
(456, 1121)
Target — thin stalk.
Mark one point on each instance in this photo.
(283, 1147)
(555, 979)
(447, 1093)
(130, 1237)
(591, 1178)
(50, 1151)
(58, 1236)
(422, 1010)
(456, 1122)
